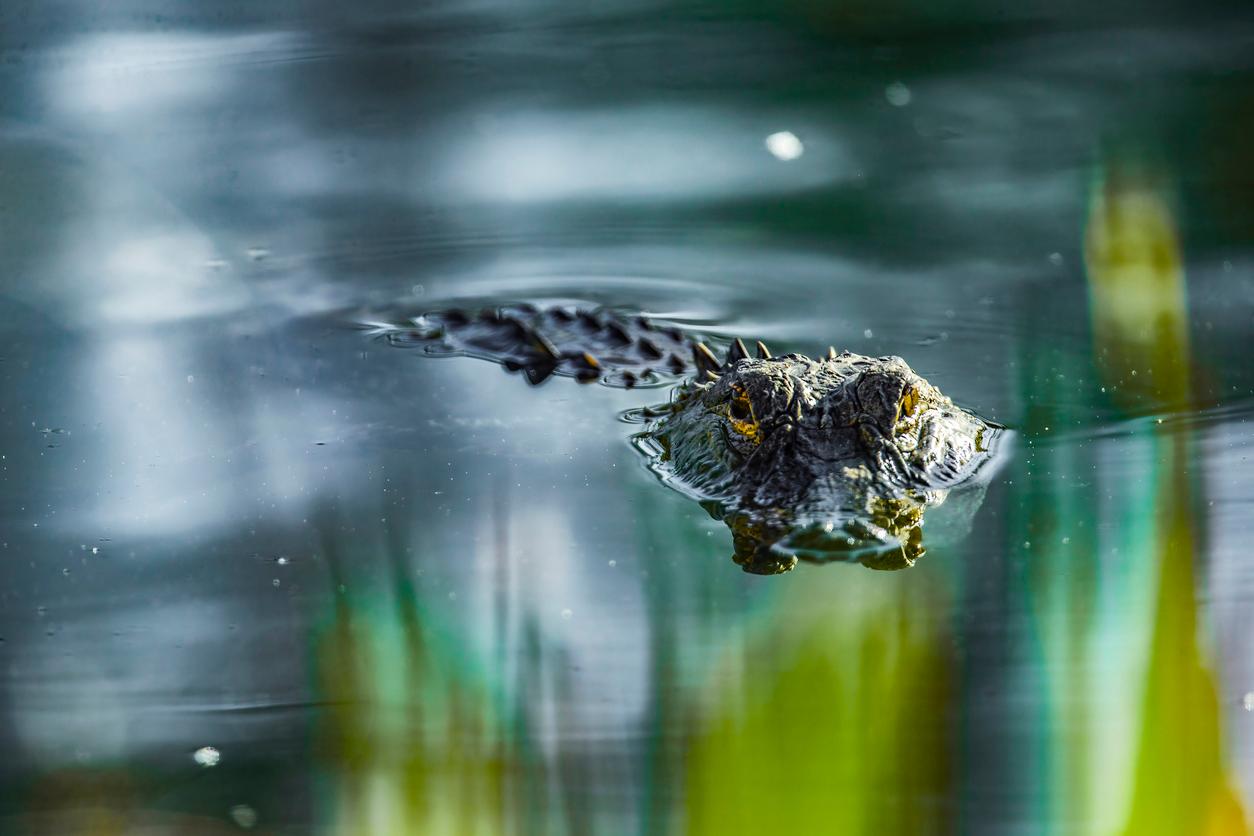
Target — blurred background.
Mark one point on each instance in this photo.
(262, 573)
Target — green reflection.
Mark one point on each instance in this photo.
(836, 717)
(408, 741)
(1180, 781)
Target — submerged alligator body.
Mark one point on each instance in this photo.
(828, 458)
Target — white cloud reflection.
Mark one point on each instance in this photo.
(653, 152)
(111, 73)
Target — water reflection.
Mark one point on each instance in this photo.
(1180, 782)
(399, 596)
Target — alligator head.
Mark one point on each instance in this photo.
(830, 458)
(835, 458)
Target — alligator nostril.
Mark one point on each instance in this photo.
(740, 410)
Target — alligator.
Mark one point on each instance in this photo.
(820, 459)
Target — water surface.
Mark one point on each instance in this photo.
(264, 572)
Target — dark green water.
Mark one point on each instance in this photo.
(263, 573)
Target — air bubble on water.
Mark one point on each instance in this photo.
(1027, 544)
(898, 94)
(275, 582)
(282, 561)
(418, 290)
(1066, 541)
(244, 816)
(206, 756)
(191, 378)
(567, 615)
(1055, 259)
(95, 550)
(613, 563)
(868, 333)
(66, 572)
(258, 253)
(784, 145)
(1247, 702)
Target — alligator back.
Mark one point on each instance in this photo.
(604, 345)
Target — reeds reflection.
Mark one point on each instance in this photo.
(1179, 780)
(839, 717)
(408, 739)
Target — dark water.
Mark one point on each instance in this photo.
(261, 572)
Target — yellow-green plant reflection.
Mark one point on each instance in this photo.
(836, 718)
(1180, 782)
(408, 741)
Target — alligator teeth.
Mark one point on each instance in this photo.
(709, 376)
(736, 353)
(764, 353)
(704, 359)
(796, 409)
(831, 352)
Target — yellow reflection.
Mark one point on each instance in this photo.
(1180, 783)
(836, 718)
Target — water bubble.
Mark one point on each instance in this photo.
(868, 333)
(206, 756)
(784, 145)
(282, 561)
(1066, 541)
(898, 94)
(1055, 259)
(244, 816)
(1247, 702)
(275, 582)
(567, 615)
(613, 563)
(258, 253)
(418, 290)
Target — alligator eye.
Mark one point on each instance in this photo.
(740, 415)
(908, 403)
